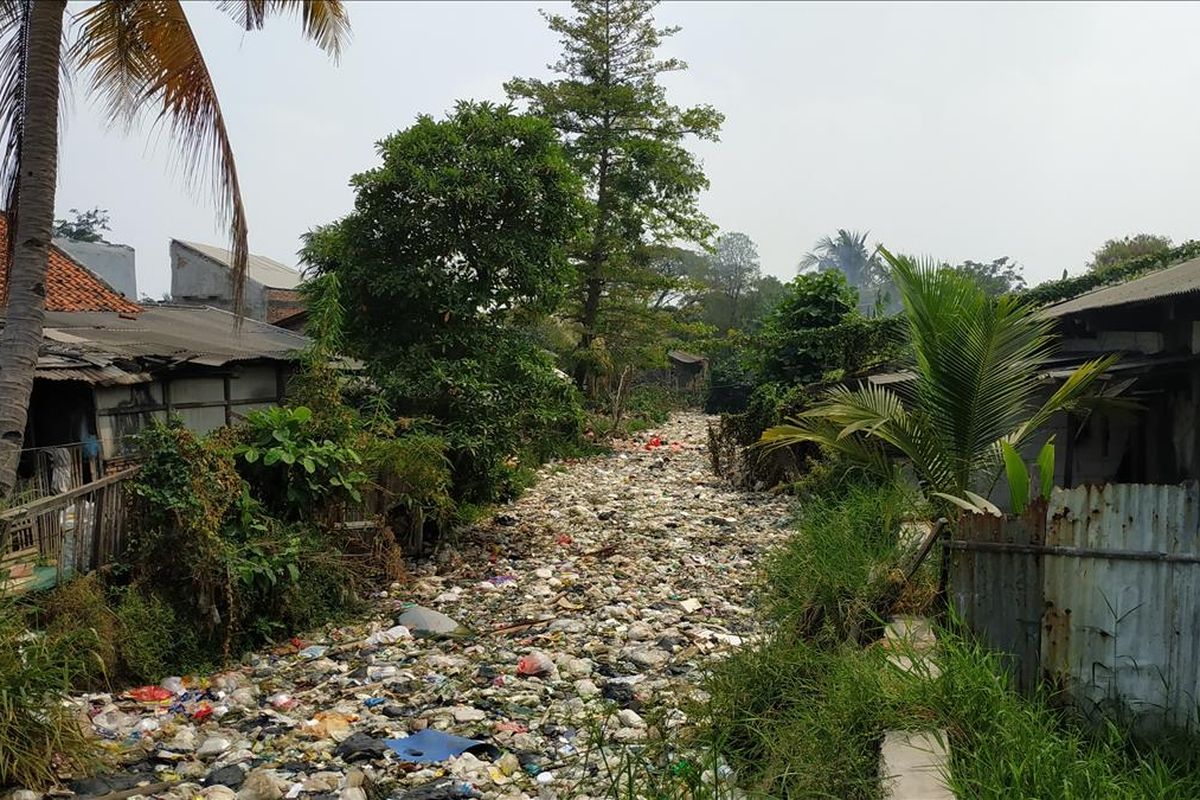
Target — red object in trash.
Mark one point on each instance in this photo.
(534, 664)
(653, 443)
(511, 727)
(150, 694)
(297, 642)
(202, 713)
(563, 540)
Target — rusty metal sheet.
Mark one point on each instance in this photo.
(1120, 634)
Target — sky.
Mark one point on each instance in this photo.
(959, 131)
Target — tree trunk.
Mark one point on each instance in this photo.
(25, 309)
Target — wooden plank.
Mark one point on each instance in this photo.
(53, 502)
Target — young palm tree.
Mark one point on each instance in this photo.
(140, 55)
(976, 364)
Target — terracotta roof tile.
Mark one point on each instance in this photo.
(69, 285)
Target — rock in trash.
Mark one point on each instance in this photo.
(427, 622)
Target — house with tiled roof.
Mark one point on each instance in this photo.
(69, 285)
(108, 366)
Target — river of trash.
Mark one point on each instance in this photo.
(582, 613)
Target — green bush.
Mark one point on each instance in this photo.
(835, 577)
(295, 474)
(81, 604)
(37, 731)
(153, 642)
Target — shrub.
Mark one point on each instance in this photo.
(835, 577)
(153, 641)
(295, 474)
(37, 731)
(81, 604)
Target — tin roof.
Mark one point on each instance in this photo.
(109, 348)
(1177, 280)
(267, 271)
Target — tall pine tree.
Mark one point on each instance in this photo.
(628, 143)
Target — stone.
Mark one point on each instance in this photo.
(630, 718)
(586, 688)
(468, 714)
(913, 765)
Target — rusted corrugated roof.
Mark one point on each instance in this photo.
(684, 357)
(1177, 280)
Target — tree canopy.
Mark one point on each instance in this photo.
(627, 141)
(87, 226)
(1117, 251)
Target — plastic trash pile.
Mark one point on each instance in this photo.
(581, 611)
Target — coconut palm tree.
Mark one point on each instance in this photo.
(139, 56)
(848, 253)
(976, 364)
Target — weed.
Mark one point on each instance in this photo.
(38, 733)
(839, 572)
(80, 604)
(154, 642)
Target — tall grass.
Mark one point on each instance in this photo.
(37, 731)
(839, 573)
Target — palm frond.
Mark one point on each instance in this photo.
(326, 22)
(142, 55)
(14, 31)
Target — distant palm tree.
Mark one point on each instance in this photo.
(141, 55)
(976, 365)
(847, 252)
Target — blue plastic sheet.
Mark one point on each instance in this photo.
(430, 746)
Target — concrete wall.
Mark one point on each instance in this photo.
(197, 279)
(112, 263)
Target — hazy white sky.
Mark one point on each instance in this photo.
(961, 131)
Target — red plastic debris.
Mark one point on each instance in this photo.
(564, 540)
(202, 713)
(150, 694)
(511, 727)
(534, 664)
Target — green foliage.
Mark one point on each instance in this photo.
(996, 277)
(976, 363)
(1019, 479)
(153, 641)
(1115, 252)
(88, 226)
(627, 141)
(462, 233)
(1057, 291)
(835, 577)
(38, 732)
(294, 472)
(81, 604)
(847, 253)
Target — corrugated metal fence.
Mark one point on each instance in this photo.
(1096, 592)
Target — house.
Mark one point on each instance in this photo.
(107, 366)
(115, 264)
(1153, 324)
(201, 275)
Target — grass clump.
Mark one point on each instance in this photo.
(839, 573)
(38, 733)
(154, 641)
(1007, 746)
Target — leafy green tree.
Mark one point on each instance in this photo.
(847, 252)
(1117, 251)
(996, 277)
(976, 364)
(88, 226)
(735, 271)
(464, 226)
(627, 141)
